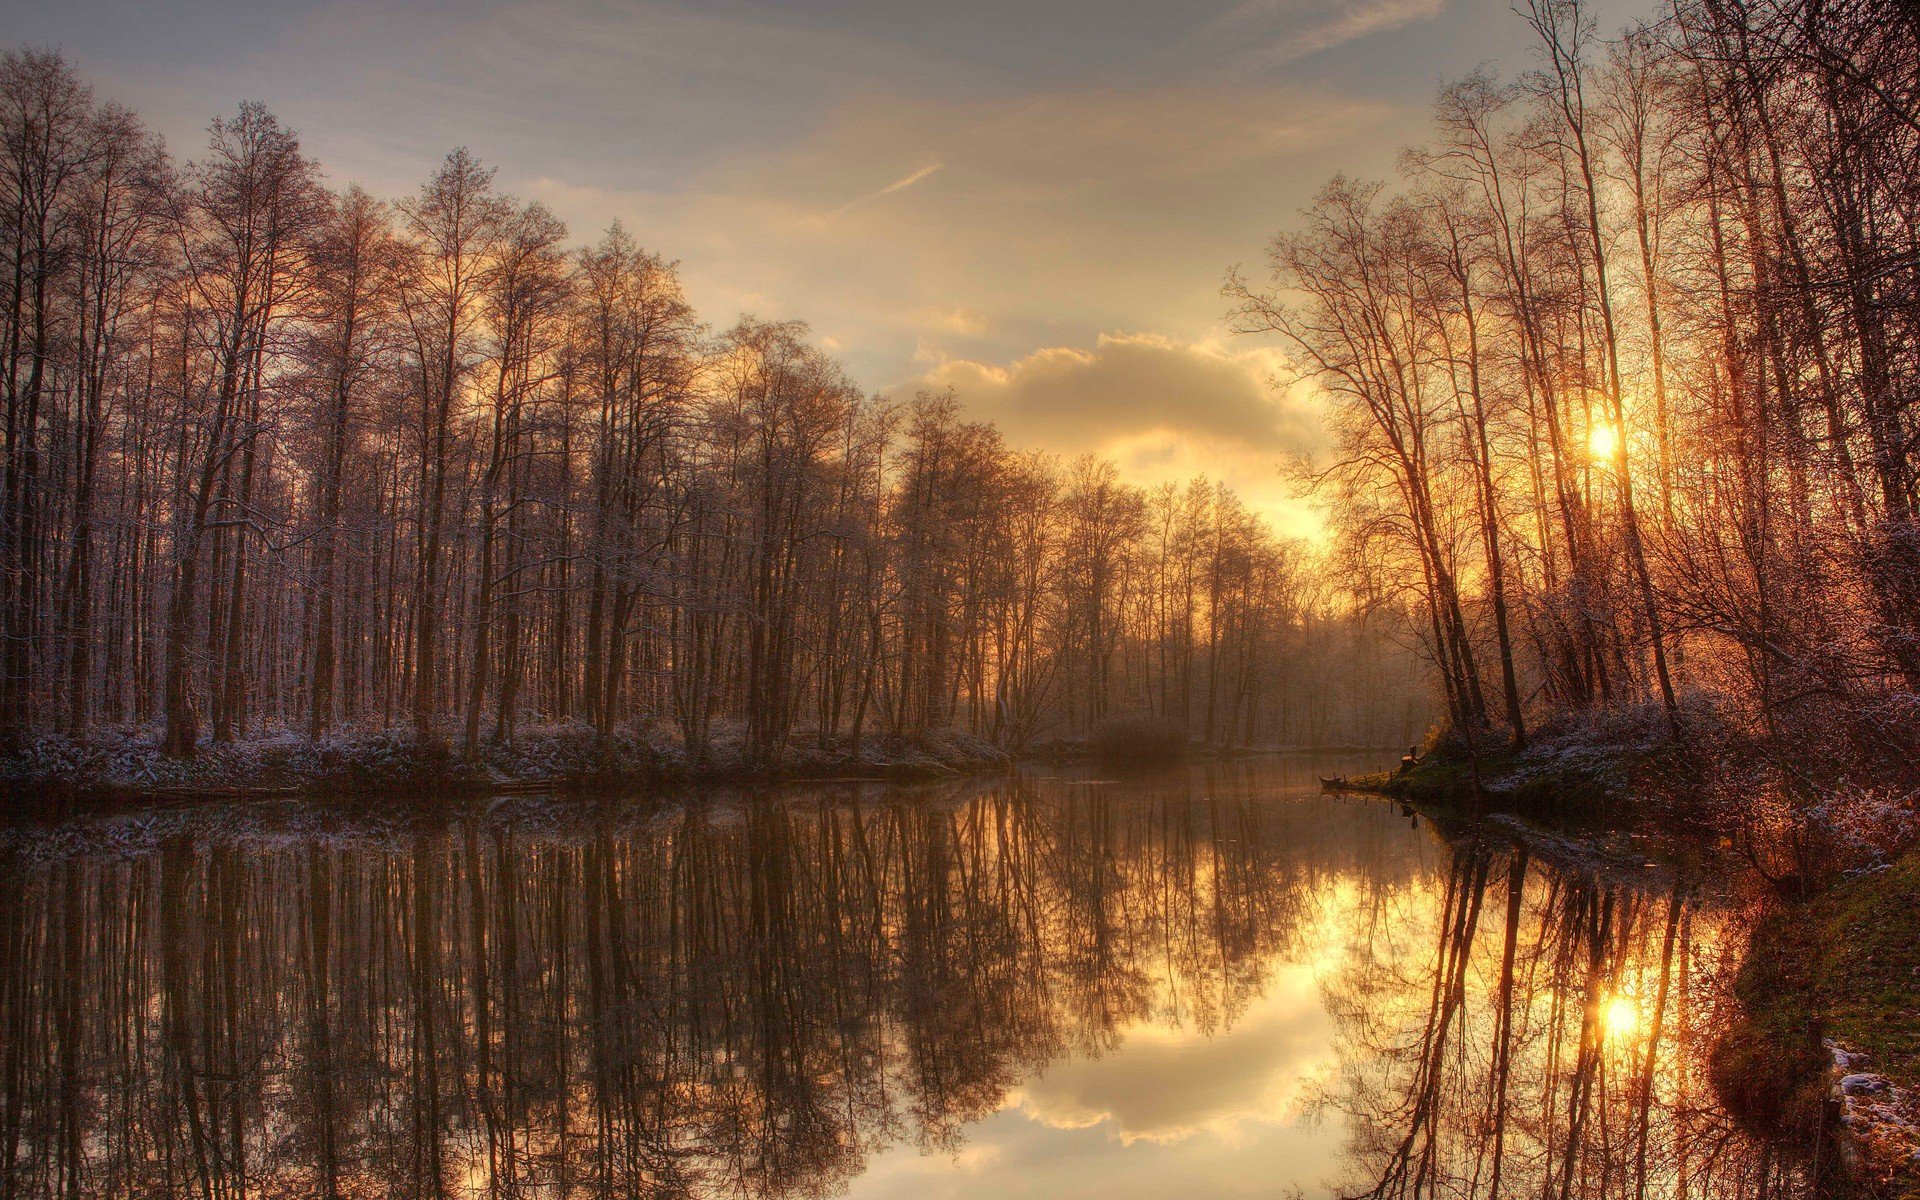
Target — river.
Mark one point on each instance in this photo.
(1209, 982)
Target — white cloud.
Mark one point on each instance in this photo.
(1282, 31)
(906, 181)
(1129, 385)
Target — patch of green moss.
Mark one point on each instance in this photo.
(1844, 965)
(1441, 780)
(1869, 985)
(1435, 781)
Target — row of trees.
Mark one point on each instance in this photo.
(1623, 374)
(278, 456)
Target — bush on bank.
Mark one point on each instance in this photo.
(1138, 738)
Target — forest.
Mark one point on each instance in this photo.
(1622, 370)
(286, 460)
(1619, 373)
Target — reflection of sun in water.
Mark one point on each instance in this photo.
(1619, 1017)
(1604, 440)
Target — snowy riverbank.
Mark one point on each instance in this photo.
(129, 766)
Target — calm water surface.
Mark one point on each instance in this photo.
(1211, 983)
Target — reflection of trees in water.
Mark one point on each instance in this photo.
(1530, 1030)
(750, 999)
(707, 1001)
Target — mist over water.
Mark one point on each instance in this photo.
(1211, 981)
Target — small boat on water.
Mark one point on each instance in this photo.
(1333, 783)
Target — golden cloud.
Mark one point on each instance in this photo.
(1162, 409)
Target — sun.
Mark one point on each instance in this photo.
(1620, 1017)
(1604, 441)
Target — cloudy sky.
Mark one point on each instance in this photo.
(1032, 201)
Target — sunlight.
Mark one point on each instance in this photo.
(1619, 1018)
(1604, 441)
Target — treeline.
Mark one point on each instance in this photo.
(279, 457)
(1624, 372)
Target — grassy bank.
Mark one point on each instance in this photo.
(1505, 780)
(1829, 991)
(127, 766)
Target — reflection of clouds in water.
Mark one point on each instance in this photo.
(1168, 1084)
(1014, 1156)
(1172, 1109)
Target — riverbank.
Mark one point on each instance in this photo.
(1616, 773)
(128, 767)
(1828, 1024)
(116, 767)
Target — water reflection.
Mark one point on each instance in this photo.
(1215, 981)
(1547, 1041)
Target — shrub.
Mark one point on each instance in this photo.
(1138, 738)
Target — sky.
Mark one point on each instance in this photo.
(1032, 202)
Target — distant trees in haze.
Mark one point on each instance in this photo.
(281, 457)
